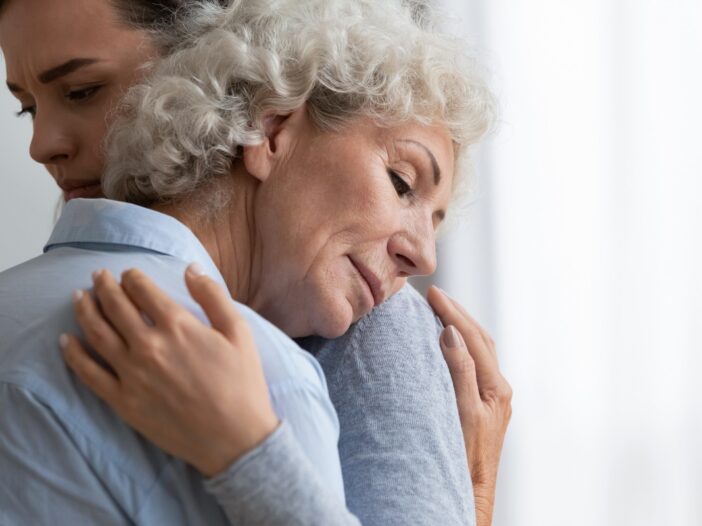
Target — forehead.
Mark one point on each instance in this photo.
(43, 33)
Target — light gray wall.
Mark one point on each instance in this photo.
(28, 195)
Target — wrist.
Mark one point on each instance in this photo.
(219, 459)
(484, 495)
(484, 506)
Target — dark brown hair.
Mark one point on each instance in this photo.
(158, 17)
(143, 14)
(153, 16)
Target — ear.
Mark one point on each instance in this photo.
(281, 131)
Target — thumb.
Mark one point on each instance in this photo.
(215, 302)
(462, 368)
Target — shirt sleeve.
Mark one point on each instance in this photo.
(44, 478)
(401, 445)
(276, 485)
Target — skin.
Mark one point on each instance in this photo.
(397, 184)
(398, 178)
(71, 114)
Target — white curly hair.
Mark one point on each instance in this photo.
(184, 127)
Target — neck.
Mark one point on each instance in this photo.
(228, 233)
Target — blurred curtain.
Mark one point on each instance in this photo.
(581, 253)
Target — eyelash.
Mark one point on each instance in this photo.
(79, 95)
(29, 110)
(402, 188)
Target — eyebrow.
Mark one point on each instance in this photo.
(434, 165)
(57, 72)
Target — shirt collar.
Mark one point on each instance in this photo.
(102, 221)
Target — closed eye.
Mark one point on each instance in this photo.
(82, 94)
(28, 110)
(401, 186)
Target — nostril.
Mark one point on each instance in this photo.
(58, 157)
(407, 261)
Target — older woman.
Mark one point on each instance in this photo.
(364, 239)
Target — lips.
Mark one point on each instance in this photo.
(371, 279)
(76, 189)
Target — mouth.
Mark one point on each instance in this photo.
(372, 281)
(77, 189)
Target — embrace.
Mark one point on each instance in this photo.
(219, 330)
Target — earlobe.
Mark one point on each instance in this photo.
(257, 160)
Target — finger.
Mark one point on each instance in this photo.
(149, 297)
(95, 377)
(462, 368)
(215, 302)
(117, 307)
(485, 362)
(99, 334)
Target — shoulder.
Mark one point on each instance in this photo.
(404, 318)
(393, 352)
(284, 363)
(406, 315)
(401, 329)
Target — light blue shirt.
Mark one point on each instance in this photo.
(65, 457)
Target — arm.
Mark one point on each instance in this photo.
(211, 407)
(275, 484)
(401, 446)
(392, 355)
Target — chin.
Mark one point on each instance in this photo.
(332, 317)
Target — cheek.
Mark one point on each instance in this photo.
(95, 125)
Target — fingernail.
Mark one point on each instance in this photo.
(451, 338)
(96, 274)
(443, 292)
(77, 295)
(195, 269)
(63, 341)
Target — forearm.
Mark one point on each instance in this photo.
(275, 485)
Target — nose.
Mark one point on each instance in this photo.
(414, 250)
(51, 142)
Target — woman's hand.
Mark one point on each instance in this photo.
(483, 395)
(195, 391)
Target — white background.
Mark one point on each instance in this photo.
(582, 256)
(581, 253)
(28, 195)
